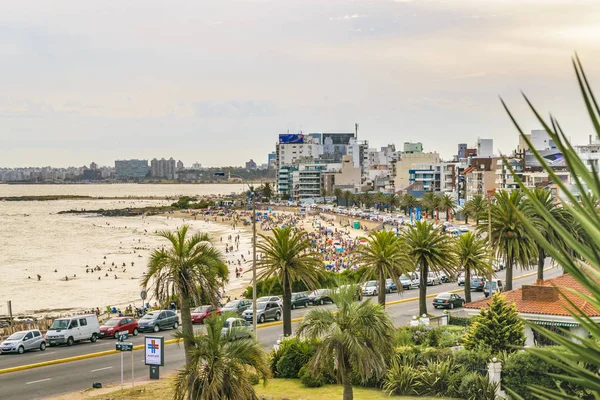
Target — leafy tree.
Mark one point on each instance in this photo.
(431, 250)
(447, 203)
(473, 254)
(189, 263)
(220, 367)
(266, 191)
(356, 339)
(497, 327)
(287, 254)
(348, 197)
(394, 201)
(381, 200)
(559, 213)
(384, 256)
(510, 239)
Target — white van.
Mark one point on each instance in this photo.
(73, 329)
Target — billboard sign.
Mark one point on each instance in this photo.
(291, 138)
(154, 350)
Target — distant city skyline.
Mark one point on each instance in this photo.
(215, 82)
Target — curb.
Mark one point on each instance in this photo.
(171, 341)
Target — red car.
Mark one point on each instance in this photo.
(202, 312)
(120, 324)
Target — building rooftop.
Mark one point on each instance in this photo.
(544, 298)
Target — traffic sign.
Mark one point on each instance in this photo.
(143, 295)
(122, 336)
(124, 346)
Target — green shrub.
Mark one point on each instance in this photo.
(254, 379)
(473, 360)
(460, 321)
(407, 355)
(436, 376)
(292, 355)
(311, 379)
(434, 354)
(475, 386)
(404, 336)
(401, 379)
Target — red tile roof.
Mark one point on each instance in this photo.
(556, 307)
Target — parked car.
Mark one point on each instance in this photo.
(444, 277)
(236, 306)
(357, 296)
(390, 286)
(497, 287)
(113, 326)
(20, 342)
(477, 283)
(463, 229)
(276, 299)
(199, 314)
(299, 300)
(157, 320)
(370, 288)
(448, 300)
(433, 279)
(320, 296)
(73, 329)
(236, 328)
(461, 279)
(264, 310)
(408, 283)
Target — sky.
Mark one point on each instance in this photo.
(215, 82)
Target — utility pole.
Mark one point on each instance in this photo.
(489, 198)
(254, 263)
(356, 130)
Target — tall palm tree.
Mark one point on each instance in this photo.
(357, 337)
(474, 255)
(476, 207)
(428, 202)
(432, 251)
(437, 205)
(191, 262)
(220, 367)
(510, 240)
(394, 201)
(338, 193)
(409, 201)
(381, 200)
(348, 197)
(287, 254)
(447, 203)
(266, 191)
(368, 199)
(384, 256)
(559, 213)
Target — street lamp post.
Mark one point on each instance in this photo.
(253, 199)
(489, 199)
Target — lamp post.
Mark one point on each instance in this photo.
(253, 198)
(489, 199)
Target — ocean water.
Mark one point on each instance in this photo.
(35, 239)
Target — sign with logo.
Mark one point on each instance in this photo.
(154, 351)
(124, 346)
(122, 336)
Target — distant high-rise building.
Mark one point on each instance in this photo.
(131, 169)
(163, 168)
(485, 148)
(196, 165)
(462, 148)
(250, 164)
(93, 166)
(272, 160)
(411, 148)
(179, 165)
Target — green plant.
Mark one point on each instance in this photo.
(254, 379)
(473, 360)
(434, 354)
(475, 386)
(460, 321)
(311, 379)
(401, 379)
(436, 376)
(498, 327)
(293, 354)
(474, 255)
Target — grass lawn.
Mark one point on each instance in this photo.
(276, 389)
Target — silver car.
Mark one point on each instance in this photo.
(236, 328)
(23, 341)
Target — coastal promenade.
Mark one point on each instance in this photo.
(73, 376)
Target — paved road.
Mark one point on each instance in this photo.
(78, 375)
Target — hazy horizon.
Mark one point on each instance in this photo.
(216, 82)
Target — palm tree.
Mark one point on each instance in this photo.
(368, 199)
(348, 197)
(394, 201)
(432, 251)
(287, 254)
(409, 201)
(357, 337)
(188, 264)
(510, 239)
(384, 256)
(476, 207)
(474, 255)
(447, 203)
(559, 213)
(220, 367)
(338, 193)
(381, 200)
(266, 191)
(428, 202)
